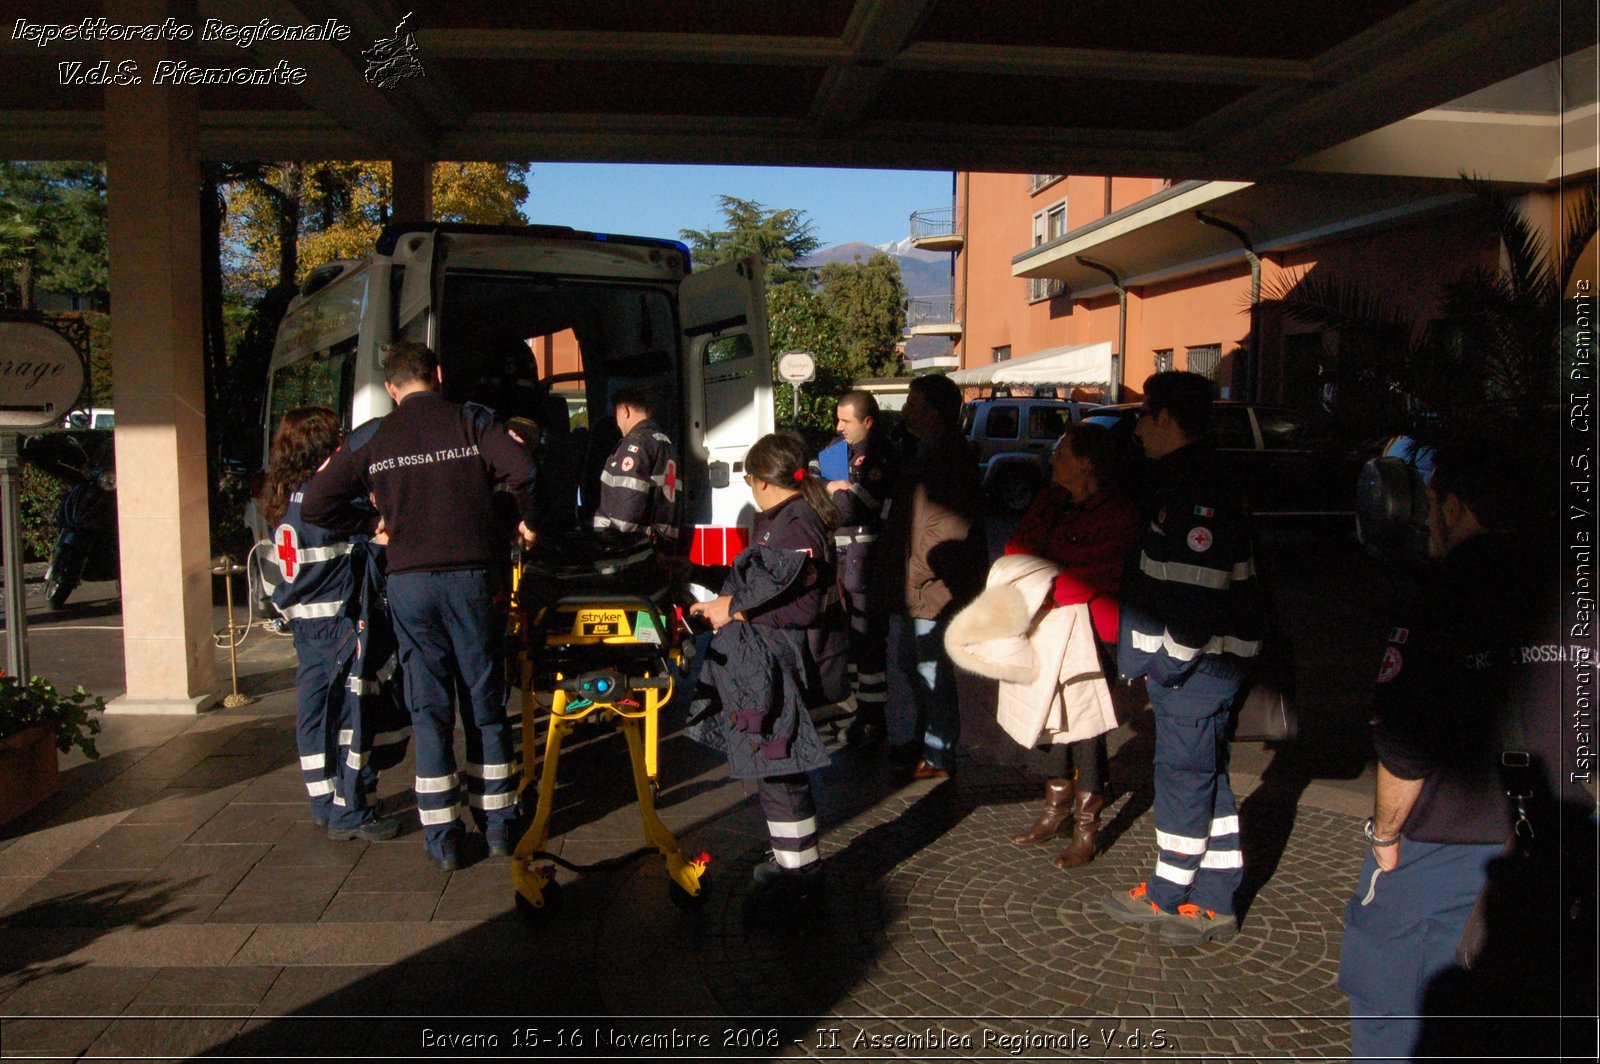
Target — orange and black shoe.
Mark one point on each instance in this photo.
(1134, 907)
(1194, 926)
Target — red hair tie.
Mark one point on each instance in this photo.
(799, 476)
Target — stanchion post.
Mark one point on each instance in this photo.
(11, 529)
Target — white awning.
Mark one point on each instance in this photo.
(1076, 365)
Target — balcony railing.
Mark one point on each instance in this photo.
(932, 316)
(937, 229)
(1040, 288)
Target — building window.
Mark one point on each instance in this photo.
(1204, 360)
(1048, 224)
(1164, 360)
(1002, 354)
(1041, 181)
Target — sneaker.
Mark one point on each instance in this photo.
(377, 829)
(1134, 907)
(1194, 926)
(780, 894)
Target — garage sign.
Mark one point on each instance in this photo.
(797, 367)
(41, 376)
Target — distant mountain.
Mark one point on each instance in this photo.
(924, 273)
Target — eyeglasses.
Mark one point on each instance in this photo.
(748, 479)
(1146, 411)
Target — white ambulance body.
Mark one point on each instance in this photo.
(606, 311)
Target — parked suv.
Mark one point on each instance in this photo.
(1288, 462)
(1014, 438)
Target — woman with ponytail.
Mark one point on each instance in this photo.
(778, 616)
(317, 582)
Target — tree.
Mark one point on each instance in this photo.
(798, 319)
(337, 209)
(869, 301)
(782, 239)
(62, 205)
(19, 236)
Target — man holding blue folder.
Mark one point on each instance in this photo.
(861, 469)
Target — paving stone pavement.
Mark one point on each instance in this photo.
(213, 918)
(175, 901)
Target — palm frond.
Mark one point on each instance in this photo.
(1582, 220)
(1527, 253)
(1335, 304)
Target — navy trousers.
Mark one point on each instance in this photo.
(1197, 820)
(869, 653)
(322, 732)
(1400, 932)
(449, 639)
(791, 815)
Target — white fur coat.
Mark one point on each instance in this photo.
(1052, 688)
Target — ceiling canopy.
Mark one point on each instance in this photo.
(1201, 89)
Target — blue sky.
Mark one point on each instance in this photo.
(871, 206)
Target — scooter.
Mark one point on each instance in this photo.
(86, 519)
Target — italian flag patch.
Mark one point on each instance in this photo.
(1204, 511)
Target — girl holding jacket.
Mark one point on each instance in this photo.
(778, 652)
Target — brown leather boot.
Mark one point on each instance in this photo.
(1085, 831)
(1056, 814)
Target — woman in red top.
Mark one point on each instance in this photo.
(1082, 522)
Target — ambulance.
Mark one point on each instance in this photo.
(548, 323)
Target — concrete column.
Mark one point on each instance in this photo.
(413, 189)
(153, 204)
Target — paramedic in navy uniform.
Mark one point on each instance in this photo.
(315, 565)
(639, 487)
(431, 469)
(861, 496)
(1192, 620)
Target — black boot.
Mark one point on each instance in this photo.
(1057, 813)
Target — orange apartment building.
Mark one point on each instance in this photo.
(1108, 279)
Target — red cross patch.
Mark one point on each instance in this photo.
(288, 552)
(627, 462)
(1200, 539)
(860, 459)
(1392, 664)
(669, 481)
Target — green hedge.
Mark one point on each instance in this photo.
(41, 494)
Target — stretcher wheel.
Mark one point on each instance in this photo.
(538, 914)
(683, 899)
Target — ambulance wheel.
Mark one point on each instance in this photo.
(686, 901)
(537, 913)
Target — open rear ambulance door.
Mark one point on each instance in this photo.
(727, 377)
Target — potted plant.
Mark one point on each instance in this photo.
(37, 721)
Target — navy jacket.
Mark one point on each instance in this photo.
(432, 466)
(750, 701)
(1191, 600)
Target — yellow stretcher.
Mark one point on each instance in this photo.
(598, 654)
